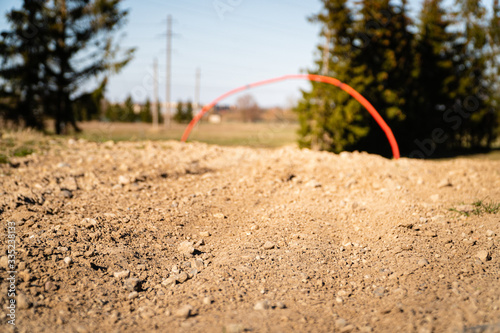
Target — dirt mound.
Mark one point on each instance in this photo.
(128, 237)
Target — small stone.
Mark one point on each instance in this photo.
(423, 262)
(66, 194)
(281, 305)
(198, 264)
(465, 208)
(379, 292)
(340, 323)
(261, 305)
(89, 222)
(366, 329)
(133, 295)
(50, 286)
(434, 197)
(490, 233)
(184, 312)
(25, 275)
(234, 328)
(171, 281)
(132, 284)
(483, 256)
(68, 261)
(339, 300)
(124, 180)
(208, 300)
(204, 234)
(4, 262)
(69, 184)
(22, 302)
(81, 329)
(122, 275)
(268, 245)
(186, 248)
(347, 329)
(313, 183)
(342, 293)
(444, 183)
(182, 277)
(219, 216)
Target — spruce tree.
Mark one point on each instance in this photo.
(329, 120)
(74, 44)
(188, 114)
(384, 69)
(146, 113)
(24, 51)
(179, 113)
(435, 80)
(474, 96)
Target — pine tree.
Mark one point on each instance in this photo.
(24, 51)
(373, 52)
(128, 115)
(384, 68)
(146, 113)
(433, 71)
(179, 113)
(328, 118)
(73, 45)
(474, 95)
(188, 114)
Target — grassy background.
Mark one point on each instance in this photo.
(227, 134)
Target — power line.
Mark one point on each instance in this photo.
(169, 69)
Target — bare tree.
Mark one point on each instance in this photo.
(249, 109)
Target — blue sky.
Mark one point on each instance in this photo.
(233, 42)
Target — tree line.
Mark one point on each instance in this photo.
(52, 50)
(434, 78)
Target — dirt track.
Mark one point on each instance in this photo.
(167, 237)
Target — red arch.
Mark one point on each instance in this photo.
(310, 77)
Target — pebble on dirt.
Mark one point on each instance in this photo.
(122, 275)
(268, 245)
(133, 284)
(484, 256)
(68, 261)
(184, 312)
(261, 305)
(186, 248)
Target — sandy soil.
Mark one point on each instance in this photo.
(171, 237)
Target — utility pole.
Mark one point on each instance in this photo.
(155, 95)
(197, 89)
(326, 52)
(169, 59)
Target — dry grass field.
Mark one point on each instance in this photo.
(263, 134)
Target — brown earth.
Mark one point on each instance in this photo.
(171, 237)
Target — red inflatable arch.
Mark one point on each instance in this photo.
(310, 77)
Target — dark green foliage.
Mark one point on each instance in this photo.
(54, 47)
(183, 112)
(146, 114)
(122, 112)
(24, 51)
(88, 106)
(434, 82)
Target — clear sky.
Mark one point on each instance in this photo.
(233, 42)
